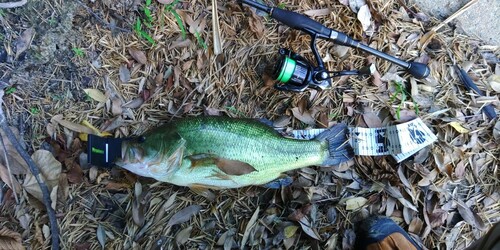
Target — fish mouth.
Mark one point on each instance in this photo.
(137, 168)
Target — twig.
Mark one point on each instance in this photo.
(8, 169)
(9, 5)
(54, 228)
(216, 29)
(108, 25)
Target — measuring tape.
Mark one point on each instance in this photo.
(401, 141)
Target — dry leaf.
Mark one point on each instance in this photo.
(183, 236)
(124, 73)
(212, 112)
(10, 240)
(404, 115)
(16, 163)
(426, 39)
(304, 117)
(116, 106)
(344, 2)
(134, 103)
(202, 60)
(355, 203)
(282, 121)
(196, 26)
(365, 17)
(118, 186)
(331, 214)
(451, 238)
(96, 94)
(494, 81)
(165, 1)
(376, 77)
(6, 178)
(113, 124)
(71, 125)
(159, 79)
(415, 226)
(306, 227)
(459, 128)
(180, 44)
(101, 236)
(317, 12)
(290, 231)
(255, 24)
(340, 51)
(62, 189)
(183, 215)
(187, 65)
(165, 207)
(249, 226)
(390, 205)
(137, 212)
(138, 55)
(470, 216)
(23, 42)
(496, 131)
(437, 217)
(51, 130)
(355, 5)
(372, 120)
(395, 193)
(50, 170)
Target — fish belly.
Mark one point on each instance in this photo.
(211, 177)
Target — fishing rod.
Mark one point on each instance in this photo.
(295, 73)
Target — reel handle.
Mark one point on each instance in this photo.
(292, 19)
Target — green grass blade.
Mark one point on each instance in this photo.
(138, 26)
(179, 22)
(200, 41)
(147, 37)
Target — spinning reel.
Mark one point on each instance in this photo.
(295, 73)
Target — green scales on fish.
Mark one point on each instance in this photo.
(220, 152)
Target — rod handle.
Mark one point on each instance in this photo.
(300, 22)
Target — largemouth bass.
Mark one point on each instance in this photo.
(220, 152)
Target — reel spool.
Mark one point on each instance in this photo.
(295, 73)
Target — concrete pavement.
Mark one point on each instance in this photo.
(481, 20)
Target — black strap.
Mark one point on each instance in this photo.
(103, 151)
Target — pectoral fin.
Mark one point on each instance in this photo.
(233, 167)
(229, 167)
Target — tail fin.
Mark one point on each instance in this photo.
(338, 145)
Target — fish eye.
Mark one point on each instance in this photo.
(141, 139)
